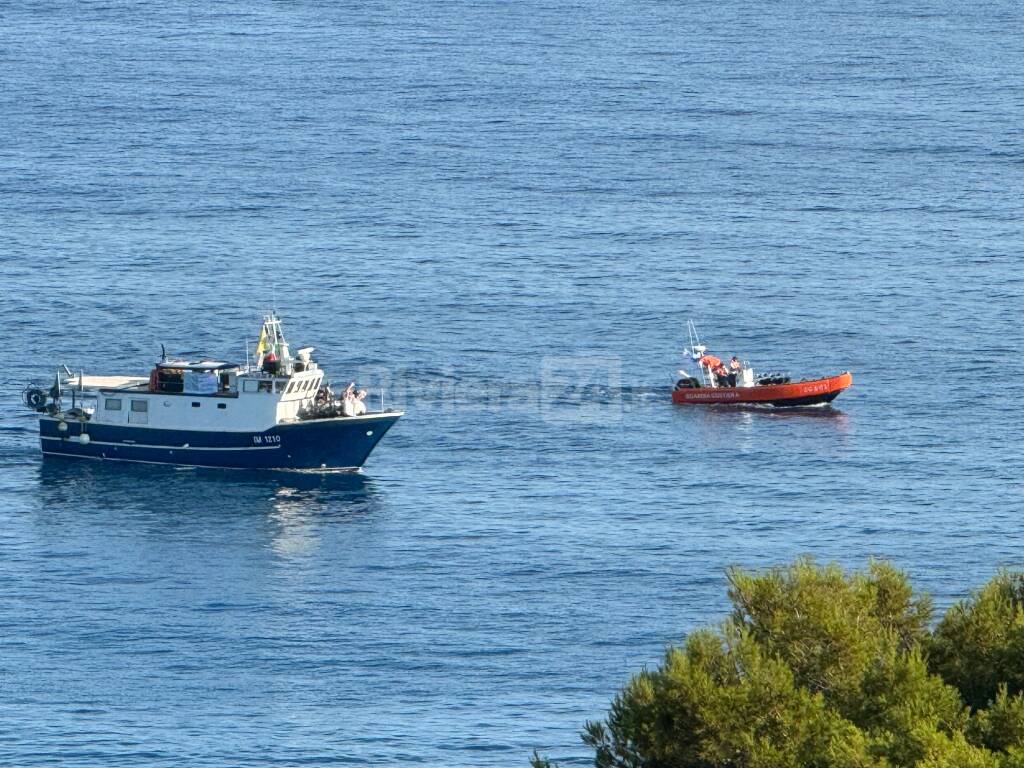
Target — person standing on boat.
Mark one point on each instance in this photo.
(709, 361)
(352, 401)
(735, 368)
(713, 365)
(722, 375)
(271, 364)
(359, 407)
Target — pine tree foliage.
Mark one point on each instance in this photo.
(819, 668)
(979, 644)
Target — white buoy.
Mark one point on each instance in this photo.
(62, 426)
(83, 439)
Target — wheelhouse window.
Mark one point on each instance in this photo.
(112, 404)
(140, 406)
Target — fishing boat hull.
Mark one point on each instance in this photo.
(795, 394)
(342, 443)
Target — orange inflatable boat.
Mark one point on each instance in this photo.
(736, 383)
(790, 393)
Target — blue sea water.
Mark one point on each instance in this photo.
(502, 214)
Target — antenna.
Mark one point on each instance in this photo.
(163, 354)
(696, 348)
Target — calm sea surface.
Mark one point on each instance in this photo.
(502, 213)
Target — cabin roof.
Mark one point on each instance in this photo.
(104, 382)
(204, 365)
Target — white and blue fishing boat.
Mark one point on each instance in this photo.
(277, 412)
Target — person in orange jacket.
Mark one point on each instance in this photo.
(721, 374)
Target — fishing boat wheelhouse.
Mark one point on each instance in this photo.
(277, 412)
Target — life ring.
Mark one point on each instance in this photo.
(35, 398)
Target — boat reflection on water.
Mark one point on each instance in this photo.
(302, 502)
(825, 412)
(752, 427)
(748, 413)
(294, 503)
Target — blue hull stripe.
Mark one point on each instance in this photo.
(185, 446)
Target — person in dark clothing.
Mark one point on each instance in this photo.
(722, 375)
(735, 367)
